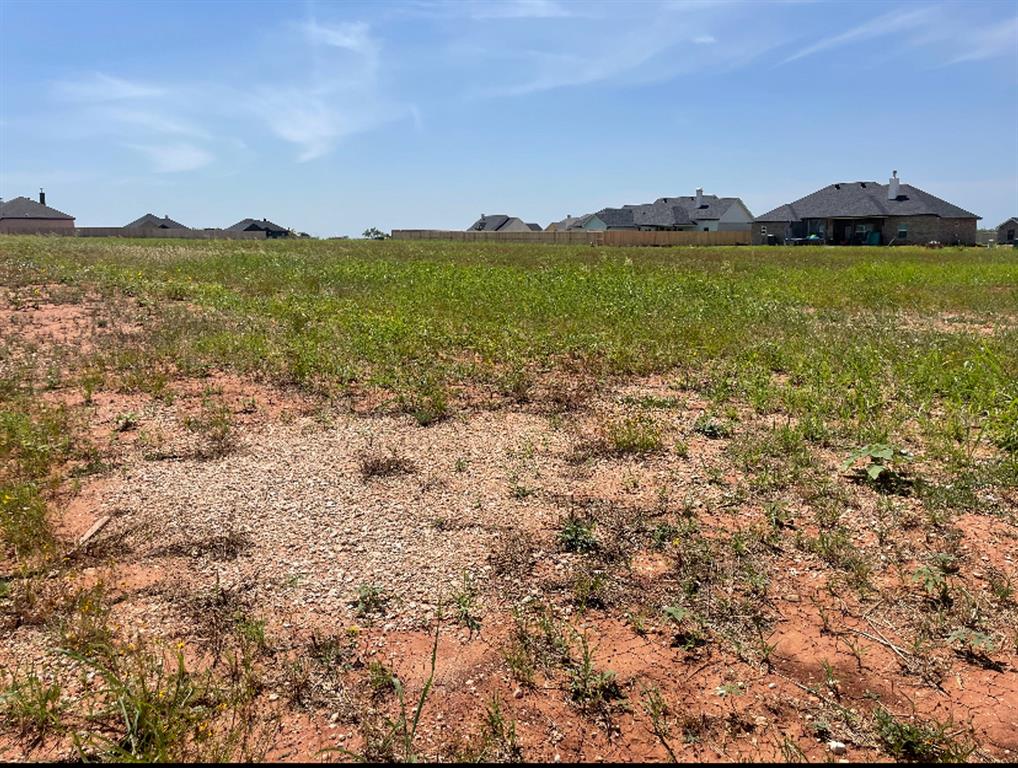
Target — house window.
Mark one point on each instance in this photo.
(1010, 235)
(706, 229)
(860, 229)
(763, 229)
(903, 231)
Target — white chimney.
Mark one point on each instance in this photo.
(699, 196)
(892, 187)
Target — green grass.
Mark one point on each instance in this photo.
(416, 317)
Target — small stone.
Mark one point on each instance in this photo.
(273, 697)
(792, 598)
(837, 747)
(518, 693)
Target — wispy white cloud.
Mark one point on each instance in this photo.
(148, 118)
(341, 96)
(518, 9)
(102, 88)
(661, 42)
(152, 119)
(174, 157)
(879, 26)
(353, 36)
(944, 32)
(989, 41)
(333, 92)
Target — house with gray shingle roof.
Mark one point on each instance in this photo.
(1007, 233)
(151, 221)
(568, 222)
(22, 215)
(699, 212)
(867, 213)
(260, 225)
(499, 222)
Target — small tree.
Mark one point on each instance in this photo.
(374, 233)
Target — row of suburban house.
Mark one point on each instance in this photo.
(845, 213)
(22, 215)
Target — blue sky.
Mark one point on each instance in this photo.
(333, 117)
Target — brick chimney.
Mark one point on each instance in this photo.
(42, 197)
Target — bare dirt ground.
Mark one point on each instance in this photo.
(322, 522)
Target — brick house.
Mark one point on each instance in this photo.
(867, 213)
(1007, 233)
(24, 216)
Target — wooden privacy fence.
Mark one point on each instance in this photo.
(630, 237)
(184, 234)
(618, 237)
(578, 237)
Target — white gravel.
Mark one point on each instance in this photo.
(318, 530)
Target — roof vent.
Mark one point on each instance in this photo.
(893, 187)
(862, 184)
(837, 186)
(699, 197)
(42, 197)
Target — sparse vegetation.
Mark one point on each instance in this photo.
(919, 740)
(708, 468)
(638, 435)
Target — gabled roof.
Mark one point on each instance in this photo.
(660, 214)
(669, 212)
(534, 227)
(491, 223)
(863, 199)
(26, 208)
(256, 224)
(613, 217)
(151, 220)
(569, 222)
(1012, 220)
(711, 206)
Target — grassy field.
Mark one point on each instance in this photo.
(856, 408)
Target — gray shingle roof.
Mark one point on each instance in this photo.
(668, 212)
(26, 208)
(489, 223)
(1012, 220)
(534, 227)
(711, 207)
(863, 199)
(262, 224)
(151, 220)
(569, 222)
(660, 214)
(614, 217)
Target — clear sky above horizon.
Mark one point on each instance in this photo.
(330, 117)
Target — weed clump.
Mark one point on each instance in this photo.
(577, 535)
(919, 741)
(634, 436)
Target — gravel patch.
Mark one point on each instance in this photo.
(316, 530)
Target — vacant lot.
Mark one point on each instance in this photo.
(459, 501)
